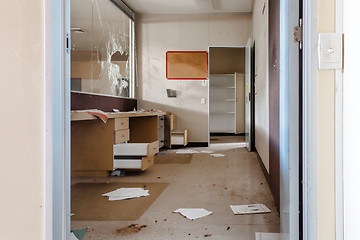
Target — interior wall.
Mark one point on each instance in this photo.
(326, 131)
(260, 37)
(157, 34)
(22, 129)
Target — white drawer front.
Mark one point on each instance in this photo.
(127, 163)
(131, 149)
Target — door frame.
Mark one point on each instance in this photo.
(208, 84)
(57, 120)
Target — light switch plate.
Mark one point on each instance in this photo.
(203, 100)
(330, 51)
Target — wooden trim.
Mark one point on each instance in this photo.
(106, 103)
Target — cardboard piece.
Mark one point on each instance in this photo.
(249, 209)
(193, 213)
(126, 193)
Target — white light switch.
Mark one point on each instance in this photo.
(203, 100)
(330, 51)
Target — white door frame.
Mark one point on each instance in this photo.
(57, 120)
(289, 121)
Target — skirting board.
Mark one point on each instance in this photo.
(192, 144)
(267, 236)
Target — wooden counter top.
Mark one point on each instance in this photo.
(84, 115)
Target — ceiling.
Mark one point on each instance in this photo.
(189, 6)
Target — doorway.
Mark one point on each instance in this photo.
(235, 132)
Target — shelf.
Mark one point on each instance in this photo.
(223, 100)
(222, 112)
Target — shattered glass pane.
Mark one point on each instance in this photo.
(100, 34)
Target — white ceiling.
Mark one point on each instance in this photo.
(189, 6)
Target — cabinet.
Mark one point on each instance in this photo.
(227, 103)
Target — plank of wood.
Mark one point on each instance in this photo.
(83, 115)
(92, 145)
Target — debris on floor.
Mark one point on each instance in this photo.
(78, 234)
(228, 228)
(218, 155)
(132, 228)
(267, 236)
(207, 235)
(205, 151)
(193, 213)
(249, 209)
(186, 151)
(126, 193)
(73, 237)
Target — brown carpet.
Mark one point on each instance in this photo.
(88, 205)
(173, 158)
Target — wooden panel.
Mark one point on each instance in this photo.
(240, 103)
(121, 136)
(274, 81)
(153, 148)
(186, 65)
(172, 122)
(147, 162)
(83, 101)
(121, 123)
(143, 129)
(227, 60)
(92, 145)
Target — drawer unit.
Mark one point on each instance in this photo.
(136, 149)
(121, 136)
(121, 123)
(141, 163)
(179, 137)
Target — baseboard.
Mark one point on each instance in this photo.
(191, 144)
(263, 168)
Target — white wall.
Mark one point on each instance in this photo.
(22, 124)
(157, 34)
(260, 35)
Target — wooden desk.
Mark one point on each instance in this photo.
(92, 140)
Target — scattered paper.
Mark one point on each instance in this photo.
(73, 237)
(193, 213)
(100, 114)
(72, 214)
(249, 209)
(204, 151)
(126, 193)
(186, 152)
(267, 236)
(218, 155)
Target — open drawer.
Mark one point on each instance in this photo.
(136, 149)
(141, 163)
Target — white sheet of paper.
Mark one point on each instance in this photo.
(126, 193)
(249, 209)
(218, 155)
(73, 237)
(186, 152)
(204, 151)
(193, 213)
(267, 236)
